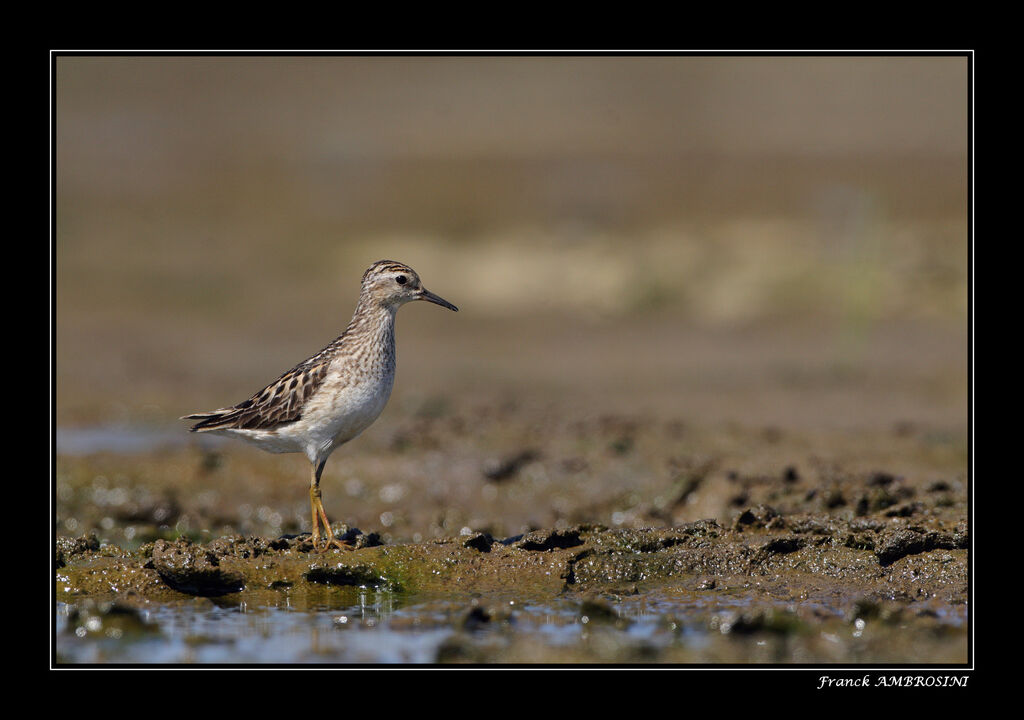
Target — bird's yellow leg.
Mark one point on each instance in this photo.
(331, 540)
(319, 514)
(314, 500)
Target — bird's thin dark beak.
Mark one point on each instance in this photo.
(436, 299)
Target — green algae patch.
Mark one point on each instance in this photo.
(445, 566)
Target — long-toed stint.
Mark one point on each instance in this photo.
(330, 398)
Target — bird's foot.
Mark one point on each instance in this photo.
(328, 542)
(340, 544)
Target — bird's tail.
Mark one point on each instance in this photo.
(212, 420)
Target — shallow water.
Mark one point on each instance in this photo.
(360, 626)
(210, 634)
(372, 627)
(376, 629)
(123, 439)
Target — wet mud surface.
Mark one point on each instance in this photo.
(818, 558)
(494, 530)
(828, 566)
(699, 592)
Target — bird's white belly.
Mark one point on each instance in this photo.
(338, 412)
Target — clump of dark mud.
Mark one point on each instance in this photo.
(193, 569)
(497, 470)
(67, 548)
(547, 540)
(912, 540)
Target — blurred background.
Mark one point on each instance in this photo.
(774, 242)
(625, 230)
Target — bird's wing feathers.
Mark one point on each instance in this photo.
(277, 404)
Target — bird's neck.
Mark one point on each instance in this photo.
(371, 317)
(371, 333)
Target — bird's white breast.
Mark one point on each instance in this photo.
(344, 405)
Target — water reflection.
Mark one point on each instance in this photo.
(349, 625)
(343, 625)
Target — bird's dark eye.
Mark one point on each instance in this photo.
(401, 279)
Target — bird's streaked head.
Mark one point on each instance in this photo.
(392, 284)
